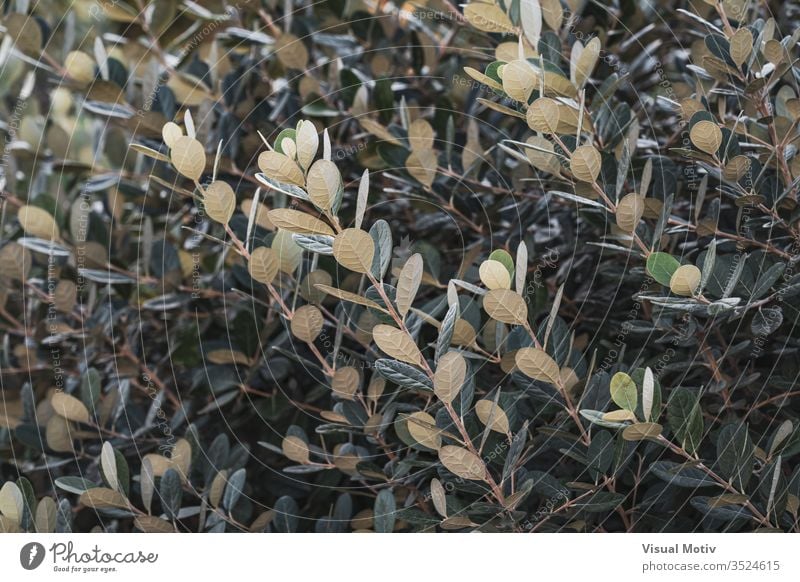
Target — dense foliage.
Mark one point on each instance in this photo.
(523, 265)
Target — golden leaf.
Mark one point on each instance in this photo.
(619, 415)
(420, 136)
(218, 487)
(552, 13)
(492, 416)
(568, 120)
(736, 168)
(291, 51)
(103, 498)
(58, 434)
(298, 222)
(487, 17)
(307, 323)
(706, 136)
(543, 115)
(494, 275)
(481, 78)
(281, 168)
(421, 165)
(45, 519)
(289, 252)
(307, 143)
(585, 163)
(263, 265)
(379, 131)
(774, 52)
(188, 89)
(170, 133)
(397, 344)
(423, 429)
(641, 431)
(727, 499)
(462, 463)
(188, 157)
(345, 382)
(559, 85)
(543, 160)
(15, 261)
(741, 46)
(295, 449)
(685, 280)
(408, 283)
(347, 296)
(181, 458)
(80, 67)
(8, 525)
(354, 249)
(506, 306)
(537, 364)
(587, 61)
(463, 334)
(519, 80)
(152, 524)
(219, 201)
(629, 212)
(229, 356)
(323, 183)
(38, 222)
(65, 296)
(69, 407)
(509, 50)
(158, 464)
(438, 497)
(11, 501)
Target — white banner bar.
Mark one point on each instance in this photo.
(403, 557)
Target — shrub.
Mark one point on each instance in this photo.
(505, 269)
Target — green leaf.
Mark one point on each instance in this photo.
(171, 493)
(123, 472)
(600, 454)
(600, 502)
(91, 386)
(403, 375)
(661, 266)
(766, 320)
(382, 236)
(767, 280)
(385, 512)
(446, 331)
(503, 257)
(655, 409)
(708, 266)
(233, 490)
(624, 391)
(77, 485)
(29, 505)
(772, 489)
(681, 475)
(735, 454)
(685, 419)
(286, 517)
(724, 513)
(64, 517)
(290, 133)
